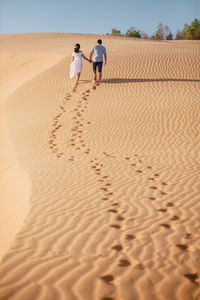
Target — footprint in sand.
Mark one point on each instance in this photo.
(153, 187)
(113, 211)
(193, 277)
(162, 210)
(107, 278)
(163, 193)
(119, 218)
(151, 178)
(117, 247)
(170, 204)
(130, 237)
(110, 194)
(104, 189)
(183, 247)
(115, 226)
(140, 266)
(189, 235)
(124, 263)
(152, 198)
(175, 218)
(167, 226)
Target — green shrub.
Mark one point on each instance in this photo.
(192, 31)
(132, 32)
(116, 32)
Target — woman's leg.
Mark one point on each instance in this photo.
(78, 76)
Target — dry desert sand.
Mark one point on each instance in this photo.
(99, 184)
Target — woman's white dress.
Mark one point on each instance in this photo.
(76, 65)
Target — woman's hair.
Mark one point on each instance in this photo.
(77, 48)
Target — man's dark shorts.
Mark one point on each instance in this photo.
(98, 64)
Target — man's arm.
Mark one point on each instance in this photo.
(91, 56)
(105, 58)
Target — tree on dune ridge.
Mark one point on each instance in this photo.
(179, 35)
(189, 32)
(132, 32)
(163, 33)
(192, 31)
(116, 32)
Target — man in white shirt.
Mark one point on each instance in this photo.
(98, 52)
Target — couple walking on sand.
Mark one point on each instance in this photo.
(98, 51)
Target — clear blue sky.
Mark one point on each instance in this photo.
(92, 16)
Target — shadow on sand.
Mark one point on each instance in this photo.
(132, 80)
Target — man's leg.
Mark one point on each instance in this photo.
(100, 76)
(94, 70)
(100, 70)
(95, 75)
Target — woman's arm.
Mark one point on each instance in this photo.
(85, 57)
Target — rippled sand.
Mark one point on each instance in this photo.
(100, 182)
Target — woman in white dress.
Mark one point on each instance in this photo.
(76, 65)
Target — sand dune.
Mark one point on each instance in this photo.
(108, 200)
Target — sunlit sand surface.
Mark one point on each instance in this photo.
(100, 181)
